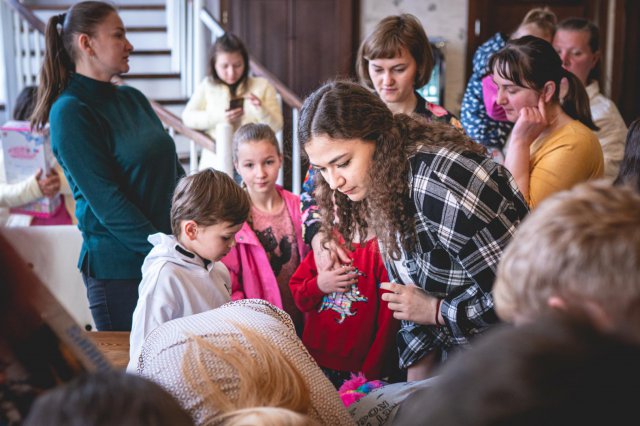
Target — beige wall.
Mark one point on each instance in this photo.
(440, 18)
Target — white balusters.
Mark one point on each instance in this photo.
(18, 50)
(193, 157)
(295, 153)
(224, 136)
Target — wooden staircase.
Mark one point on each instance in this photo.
(155, 66)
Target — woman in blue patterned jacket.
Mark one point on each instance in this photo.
(442, 211)
(483, 125)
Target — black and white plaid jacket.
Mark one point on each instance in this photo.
(467, 209)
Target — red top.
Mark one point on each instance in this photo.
(353, 331)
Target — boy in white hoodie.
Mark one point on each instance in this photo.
(182, 274)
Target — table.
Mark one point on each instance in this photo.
(114, 345)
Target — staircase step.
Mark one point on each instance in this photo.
(64, 5)
(174, 108)
(157, 88)
(150, 63)
(152, 76)
(145, 52)
(141, 66)
(136, 52)
(173, 102)
(183, 147)
(148, 40)
(146, 29)
(149, 16)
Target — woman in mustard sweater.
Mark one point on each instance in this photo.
(552, 146)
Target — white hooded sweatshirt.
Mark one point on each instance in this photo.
(175, 283)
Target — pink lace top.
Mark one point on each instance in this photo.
(277, 236)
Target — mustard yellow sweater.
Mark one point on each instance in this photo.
(570, 155)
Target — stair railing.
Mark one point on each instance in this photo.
(22, 44)
(23, 33)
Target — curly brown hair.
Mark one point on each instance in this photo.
(345, 110)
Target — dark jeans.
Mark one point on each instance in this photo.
(111, 302)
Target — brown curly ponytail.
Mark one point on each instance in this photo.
(344, 110)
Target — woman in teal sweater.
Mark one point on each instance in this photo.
(120, 162)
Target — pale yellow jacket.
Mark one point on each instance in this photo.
(209, 102)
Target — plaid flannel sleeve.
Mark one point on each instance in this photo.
(467, 211)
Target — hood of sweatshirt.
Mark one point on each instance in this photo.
(167, 248)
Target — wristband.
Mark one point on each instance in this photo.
(437, 321)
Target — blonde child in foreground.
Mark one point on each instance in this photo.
(282, 400)
(241, 361)
(269, 247)
(182, 274)
(588, 265)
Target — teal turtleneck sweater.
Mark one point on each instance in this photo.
(122, 168)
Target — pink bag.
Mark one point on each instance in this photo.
(490, 97)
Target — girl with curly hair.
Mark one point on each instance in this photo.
(441, 210)
(394, 61)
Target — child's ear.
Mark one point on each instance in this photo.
(190, 229)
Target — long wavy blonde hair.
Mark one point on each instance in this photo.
(271, 389)
(345, 110)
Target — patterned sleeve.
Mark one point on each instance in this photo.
(467, 213)
(433, 112)
(309, 208)
(477, 123)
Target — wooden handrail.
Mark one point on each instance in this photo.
(286, 94)
(27, 15)
(166, 116)
(173, 121)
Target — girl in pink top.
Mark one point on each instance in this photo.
(269, 247)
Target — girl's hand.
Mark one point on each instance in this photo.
(531, 122)
(328, 258)
(410, 303)
(337, 280)
(254, 100)
(234, 115)
(50, 185)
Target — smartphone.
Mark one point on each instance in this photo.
(236, 103)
